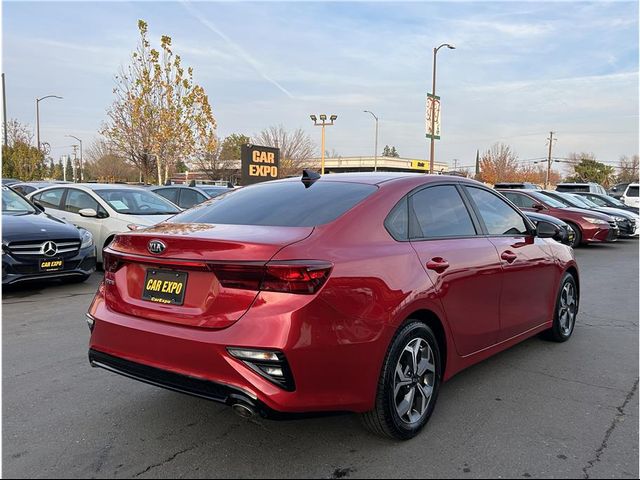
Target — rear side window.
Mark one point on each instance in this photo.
(170, 194)
(397, 222)
(189, 198)
(439, 212)
(521, 201)
(280, 204)
(50, 198)
(498, 216)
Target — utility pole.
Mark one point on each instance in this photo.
(74, 168)
(4, 111)
(546, 179)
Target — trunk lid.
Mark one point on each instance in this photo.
(197, 250)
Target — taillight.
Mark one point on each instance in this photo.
(301, 277)
(296, 277)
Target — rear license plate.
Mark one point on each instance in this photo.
(165, 286)
(51, 264)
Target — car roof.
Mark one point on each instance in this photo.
(377, 178)
(94, 186)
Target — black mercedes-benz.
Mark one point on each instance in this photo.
(36, 246)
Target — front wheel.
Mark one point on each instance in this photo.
(577, 237)
(408, 385)
(564, 321)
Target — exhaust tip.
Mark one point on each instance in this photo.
(243, 411)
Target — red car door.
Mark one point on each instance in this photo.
(463, 266)
(530, 271)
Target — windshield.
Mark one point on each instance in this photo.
(550, 201)
(279, 204)
(14, 204)
(133, 201)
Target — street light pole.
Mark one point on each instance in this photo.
(375, 164)
(323, 123)
(433, 106)
(81, 164)
(38, 100)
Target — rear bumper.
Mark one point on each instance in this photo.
(330, 375)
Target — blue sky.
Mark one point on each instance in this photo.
(519, 70)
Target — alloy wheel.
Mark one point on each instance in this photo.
(414, 380)
(567, 309)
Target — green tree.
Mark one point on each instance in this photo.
(57, 171)
(386, 151)
(230, 148)
(394, 153)
(22, 161)
(587, 169)
(68, 167)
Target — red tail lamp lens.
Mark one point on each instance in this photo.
(301, 278)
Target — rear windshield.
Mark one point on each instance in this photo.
(572, 188)
(279, 204)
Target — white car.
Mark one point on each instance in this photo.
(630, 196)
(104, 209)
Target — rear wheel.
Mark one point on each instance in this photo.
(408, 385)
(564, 320)
(577, 238)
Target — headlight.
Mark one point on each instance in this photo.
(620, 219)
(87, 239)
(596, 221)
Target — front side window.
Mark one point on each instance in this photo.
(438, 212)
(78, 200)
(632, 191)
(498, 216)
(50, 198)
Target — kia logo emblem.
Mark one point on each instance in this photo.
(49, 249)
(157, 247)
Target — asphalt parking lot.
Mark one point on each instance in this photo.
(538, 410)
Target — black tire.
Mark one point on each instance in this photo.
(561, 331)
(577, 239)
(384, 419)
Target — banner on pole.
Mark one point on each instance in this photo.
(433, 106)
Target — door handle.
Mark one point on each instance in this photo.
(509, 256)
(437, 264)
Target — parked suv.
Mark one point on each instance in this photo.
(580, 187)
(630, 196)
(588, 225)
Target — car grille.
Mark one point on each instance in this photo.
(29, 248)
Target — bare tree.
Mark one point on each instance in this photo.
(628, 169)
(296, 147)
(104, 163)
(18, 132)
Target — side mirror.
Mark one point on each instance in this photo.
(38, 205)
(548, 230)
(538, 207)
(88, 212)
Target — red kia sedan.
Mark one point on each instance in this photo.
(350, 293)
(589, 226)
